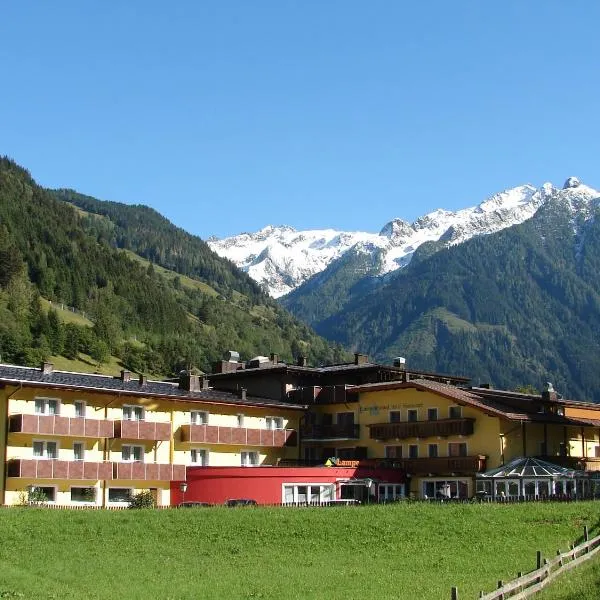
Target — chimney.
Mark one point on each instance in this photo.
(400, 362)
(360, 359)
(47, 368)
(125, 376)
(243, 393)
(204, 383)
(143, 379)
(188, 382)
(302, 361)
(274, 358)
(549, 394)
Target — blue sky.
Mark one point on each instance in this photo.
(228, 116)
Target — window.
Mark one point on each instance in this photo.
(249, 458)
(199, 457)
(307, 493)
(83, 494)
(132, 454)
(79, 408)
(44, 449)
(388, 492)
(133, 413)
(274, 422)
(457, 449)
(78, 450)
(455, 412)
(119, 495)
(199, 417)
(413, 451)
(432, 451)
(43, 493)
(395, 416)
(412, 414)
(345, 418)
(393, 451)
(240, 420)
(432, 414)
(46, 406)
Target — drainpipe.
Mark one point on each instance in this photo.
(5, 464)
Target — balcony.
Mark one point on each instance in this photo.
(330, 432)
(142, 430)
(59, 469)
(442, 465)
(148, 471)
(421, 429)
(240, 436)
(79, 470)
(55, 425)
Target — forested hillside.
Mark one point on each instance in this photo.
(518, 307)
(158, 298)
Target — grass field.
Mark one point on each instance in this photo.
(583, 583)
(406, 551)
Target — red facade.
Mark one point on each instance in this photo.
(265, 484)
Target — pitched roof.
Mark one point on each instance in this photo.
(105, 383)
(530, 467)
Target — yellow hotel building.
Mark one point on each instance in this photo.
(82, 439)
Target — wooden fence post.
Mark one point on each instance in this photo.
(454, 593)
(539, 559)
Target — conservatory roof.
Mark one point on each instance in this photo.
(530, 467)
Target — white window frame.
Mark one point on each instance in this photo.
(466, 445)
(82, 456)
(399, 412)
(199, 417)
(83, 404)
(45, 400)
(119, 503)
(326, 491)
(83, 502)
(455, 407)
(247, 454)
(45, 449)
(241, 419)
(202, 451)
(133, 408)
(273, 423)
(444, 480)
(131, 453)
(54, 487)
(388, 492)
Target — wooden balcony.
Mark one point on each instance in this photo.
(142, 430)
(421, 429)
(80, 470)
(56, 425)
(330, 432)
(442, 465)
(33, 468)
(238, 436)
(148, 471)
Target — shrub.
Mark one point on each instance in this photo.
(143, 499)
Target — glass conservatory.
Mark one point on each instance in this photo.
(531, 478)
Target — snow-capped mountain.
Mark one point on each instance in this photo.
(282, 258)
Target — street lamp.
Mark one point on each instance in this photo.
(183, 486)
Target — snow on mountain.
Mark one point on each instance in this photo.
(282, 258)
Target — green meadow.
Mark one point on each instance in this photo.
(403, 551)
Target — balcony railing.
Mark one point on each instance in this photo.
(421, 429)
(330, 432)
(148, 471)
(238, 436)
(59, 469)
(142, 430)
(57, 425)
(79, 470)
(442, 465)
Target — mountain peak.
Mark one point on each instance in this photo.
(571, 182)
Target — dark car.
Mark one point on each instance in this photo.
(193, 504)
(241, 502)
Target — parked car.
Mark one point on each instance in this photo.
(193, 504)
(241, 502)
